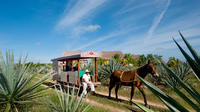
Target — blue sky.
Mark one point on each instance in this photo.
(43, 29)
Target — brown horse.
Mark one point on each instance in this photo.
(129, 78)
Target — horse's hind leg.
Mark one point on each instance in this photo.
(112, 84)
(116, 90)
(142, 91)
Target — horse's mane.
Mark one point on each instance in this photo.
(141, 71)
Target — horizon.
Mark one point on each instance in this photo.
(44, 29)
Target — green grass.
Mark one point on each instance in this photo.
(98, 109)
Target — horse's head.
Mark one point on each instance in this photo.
(151, 69)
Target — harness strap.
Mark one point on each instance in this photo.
(121, 75)
(126, 81)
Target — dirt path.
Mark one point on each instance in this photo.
(135, 100)
(112, 109)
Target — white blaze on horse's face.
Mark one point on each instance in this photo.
(153, 70)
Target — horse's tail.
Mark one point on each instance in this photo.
(112, 74)
(111, 77)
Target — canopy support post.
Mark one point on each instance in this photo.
(79, 72)
(95, 59)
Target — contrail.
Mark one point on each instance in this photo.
(157, 21)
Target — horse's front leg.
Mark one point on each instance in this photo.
(142, 91)
(132, 92)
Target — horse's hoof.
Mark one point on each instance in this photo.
(148, 106)
(130, 102)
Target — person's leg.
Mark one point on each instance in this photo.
(91, 86)
(84, 88)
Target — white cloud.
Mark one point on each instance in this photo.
(98, 40)
(135, 41)
(38, 43)
(81, 10)
(160, 41)
(157, 20)
(113, 34)
(92, 27)
(129, 7)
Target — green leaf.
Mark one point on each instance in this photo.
(145, 109)
(169, 102)
(183, 96)
(17, 87)
(193, 52)
(195, 67)
(191, 91)
(8, 107)
(67, 102)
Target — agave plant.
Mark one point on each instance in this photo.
(106, 70)
(182, 70)
(90, 67)
(17, 87)
(171, 103)
(67, 102)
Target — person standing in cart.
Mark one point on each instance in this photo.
(86, 81)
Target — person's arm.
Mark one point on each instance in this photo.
(90, 79)
(85, 81)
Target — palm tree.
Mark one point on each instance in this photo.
(117, 57)
(150, 57)
(172, 62)
(128, 57)
(142, 60)
(100, 61)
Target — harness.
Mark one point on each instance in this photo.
(127, 81)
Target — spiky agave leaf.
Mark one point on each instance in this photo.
(193, 52)
(16, 82)
(182, 70)
(145, 109)
(167, 100)
(187, 87)
(67, 102)
(195, 64)
(170, 102)
(106, 70)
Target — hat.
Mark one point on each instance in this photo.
(87, 71)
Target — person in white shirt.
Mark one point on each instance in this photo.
(86, 81)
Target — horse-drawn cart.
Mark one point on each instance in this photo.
(71, 73)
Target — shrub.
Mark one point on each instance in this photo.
(182, 70)
(17, 87)
(106, 70)
(66, 102)
(90, 67)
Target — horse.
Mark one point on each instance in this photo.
(129, 78)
